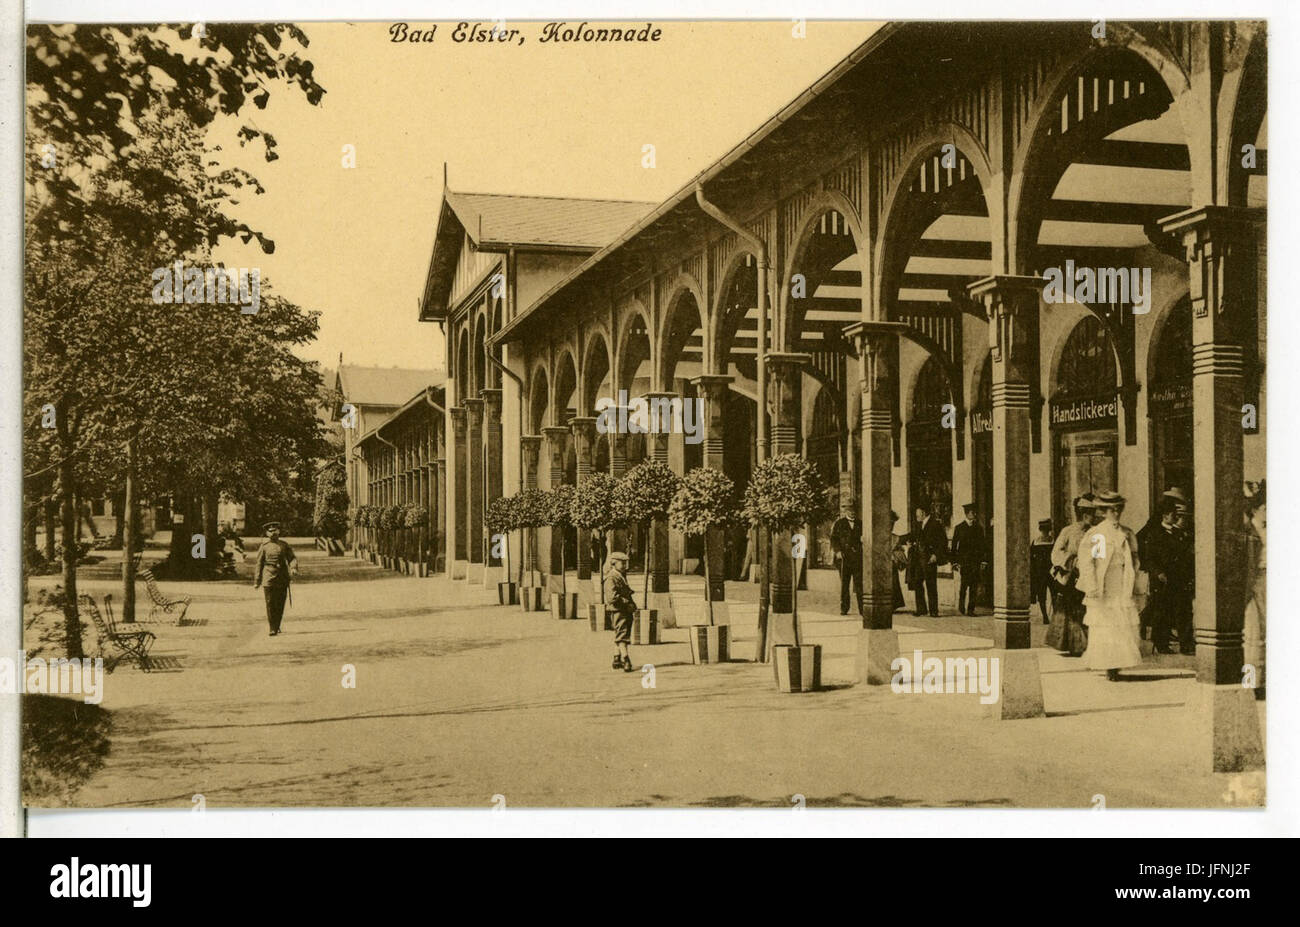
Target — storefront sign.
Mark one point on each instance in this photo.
(1166, 398)
(981, 421)
(1092, 411)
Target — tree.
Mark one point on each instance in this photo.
(559, 506)
(647, 490)
(784, 493)
(705, 499)
(530, 508)
(330, 518)
(500, 519)
(596, 509)
(123, 183)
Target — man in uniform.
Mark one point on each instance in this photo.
(968, 552)
(846, 542)
(276, 564)
(618, 598)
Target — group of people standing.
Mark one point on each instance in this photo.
(1101, 569)
(918, 556)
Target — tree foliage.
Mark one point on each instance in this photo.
(784, 493)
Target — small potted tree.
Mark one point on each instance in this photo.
(530, 508)
(389, 522)
(784, 494)
(705, 500)
(416, 520)
(646, 491)
(500, 519)
(595, 508)
(559, 506)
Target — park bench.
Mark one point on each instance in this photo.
(160, 602)
(131, 645)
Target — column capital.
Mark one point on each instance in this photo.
(458, 420)
(474, 407)
(556, 432)
(784, 364)
(709, 382)
(584, 427)
(491, 399)
(1011, 305)
(1220, 247)
(873, 334)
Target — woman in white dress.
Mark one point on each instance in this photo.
(1108, 566)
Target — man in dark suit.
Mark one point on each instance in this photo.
(846, 542)
(929, 549)
(968, 552)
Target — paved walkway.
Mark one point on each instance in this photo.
(458, 699)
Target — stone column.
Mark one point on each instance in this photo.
(584, 437)
(494, 478)
(660, 424)
(618, 467)
(475, 443)
(440, 525)
(460, 492)
(557, 437)
(530, 447)
(1011, 306)
(876, 344)
(712, 390)
(1221, 250)
(786, 370)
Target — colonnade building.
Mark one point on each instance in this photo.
(881, 259)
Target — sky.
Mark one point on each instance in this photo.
(531, 118)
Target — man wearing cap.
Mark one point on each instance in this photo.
(618, 598)
(968, 546)
(1040, 569)
(1171, 564)
(276, 564)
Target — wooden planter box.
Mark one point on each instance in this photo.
(564, 605)
(710, 643)
(600, 617)
(645, 626)
(530, 598)
(507, 593)
(798, 669)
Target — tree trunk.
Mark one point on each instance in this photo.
(764, 593)
(708, 581)
(68, 490)
(211, 500)
(51, 507)
(126, 518)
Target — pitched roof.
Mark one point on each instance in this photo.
(495, 220)
(384, 386)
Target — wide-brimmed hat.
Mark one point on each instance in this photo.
(1173, 492)
(618, 555)
(1109, 499)
(1044, 524)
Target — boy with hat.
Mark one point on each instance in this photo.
(276, 563)
(618, 598)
